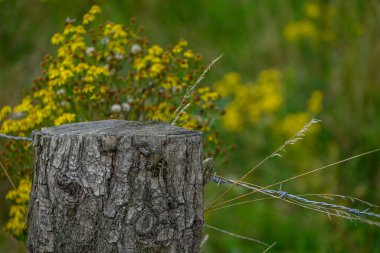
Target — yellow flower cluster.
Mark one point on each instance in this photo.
(250, 101)
(314, 26)
(64, 118)
(16, 224)
(90, 15)
(293, 122)
(99, 72)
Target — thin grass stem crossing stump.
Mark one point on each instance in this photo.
(116, 186)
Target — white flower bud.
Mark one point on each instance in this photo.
(60, 92)
(18, 115)
(115, 108)
(64, 104)
(90, 51)
(126, 107)
(104, 40)
(135, 49)
(70, 20)
(118, 56)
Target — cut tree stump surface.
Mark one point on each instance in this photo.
(116, 186)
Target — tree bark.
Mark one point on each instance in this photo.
(116, 186)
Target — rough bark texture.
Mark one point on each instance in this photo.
(116, 186)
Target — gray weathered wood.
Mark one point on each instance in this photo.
(116, 186)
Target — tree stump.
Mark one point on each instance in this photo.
(116, 186)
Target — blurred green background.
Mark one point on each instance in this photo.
(327, 46)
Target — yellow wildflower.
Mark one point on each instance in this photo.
(80, 29)
(182, 43)
(207, 95)
(155, 50)
(88, 79)
(90, 15)
(156, 69)
(21, 195)
(233, 120)
(16, 224)
(64, 76)
(25, 106)
(88, 88)
(4, 112)
(177, 49)
(139, 63)
(96, 71)
(314, 104)
(162, 112)
(57, 39)
(188, 54)
(95, 9)
(312, 10)
(269, 75)
(81, 67)
(115, 31)
(103, 89)
(69, 28)
(229, 84)
(292, 123)
(65, 118)
(95, 97)
(184, 64)
(300, 29)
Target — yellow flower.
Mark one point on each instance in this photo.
(95, 97)
(177, 49)
(69, 28)
(57, 39)
(16, 224)
(233, 120)
(312, 10)
(4, 112)
(167, 57)
(81, 67)
(90, 15)
(95, 9)
(292, 123)
(21, 195)
(314, 105)
(88, 88)
(228, 84)
(184, 64)
(170, 82)
(65, 75)
(207, 95)
(96, 71)
(155, 50)
(80, 29)
(269, 75)
(65, 118)
(299, 30)
(162, 112)
(188, 54)
(88, 18)
(103, 89)
(250, 101)
(156, 69)
(139, 63)
(25, 106)
(115, 31)
(182, 43)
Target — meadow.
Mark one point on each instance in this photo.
(284, 63)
